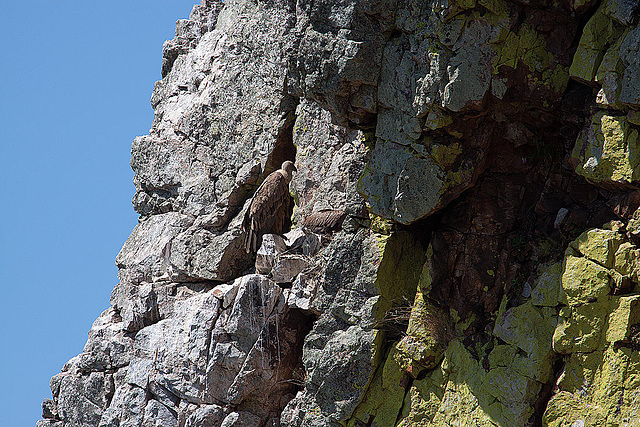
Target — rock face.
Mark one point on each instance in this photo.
(465, 236)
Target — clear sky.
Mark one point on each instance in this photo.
(75, 82)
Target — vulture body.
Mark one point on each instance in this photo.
(324, 222)
(268, 211)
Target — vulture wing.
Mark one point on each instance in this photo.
(325, 221)
(267, 212)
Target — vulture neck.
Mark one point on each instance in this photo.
(287, 175)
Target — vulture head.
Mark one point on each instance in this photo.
(287, 170)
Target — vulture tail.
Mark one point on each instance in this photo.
(251, 241)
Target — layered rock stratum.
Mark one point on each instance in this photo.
(478, 163)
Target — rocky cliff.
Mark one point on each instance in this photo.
(484, 157)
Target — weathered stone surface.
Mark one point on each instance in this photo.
(200, 254)
(107, 346)
(599, 246)
(288, 267)
(191, 160)
(272, 246)
(343, 349)
(599, 32)
(338, 352)
(144, 304)
(145, 255)
(236, 333)
(338, 53)
(126, 409)
(304, 242)
(330, 160)
(82, 398)
(606, 151)
(303, 291)
(206, 416)
(188, 31)
(629, 92)
(172, 353)
(459, 115)
(158, 415)
(240, 419)
(49, 409)
(595, 385)
(548, 286)
(585, 281)
(400, 184)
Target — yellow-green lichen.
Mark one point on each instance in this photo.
(429, 331)
(608, 150)
(528, 47)
(445, 155)
(599, 383)
(380, 225)
(400, 267)
(599, 32)
(423, 400)
(585, 281)
(385, 395)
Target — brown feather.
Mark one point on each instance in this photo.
(268, 211)
(324, 221)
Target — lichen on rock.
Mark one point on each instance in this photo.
(477, 162)
(597, 332)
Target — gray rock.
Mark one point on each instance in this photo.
(145, 255)
(170, 247)
(303, 242)
(622, 10)
(272, 246)
(287, 267)
(222, 106)
(82, 399)
(49, 423)
(55, 382)
(338, 353)
(330, 160)
(158, 415)
(236, 332)
(107, 347)
(198, 254)
(226, 293)
(303, 291)
(630, 91)
(206, 416)
(172, 354)
(338, 54)
(126, 409)
(283, 259)
(470, 70)
(413, 79)
(137, 305)
(241, 419)
(202, 19)
(49, 409)
(400, 184)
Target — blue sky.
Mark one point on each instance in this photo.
(75, 82)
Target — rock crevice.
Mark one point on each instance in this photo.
(464, 237)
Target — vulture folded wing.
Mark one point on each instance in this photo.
(324, 221)
(267, 212)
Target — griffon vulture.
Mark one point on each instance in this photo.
(268, 212)
(324, 222)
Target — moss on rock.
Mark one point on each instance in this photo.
(608, 151)
(599, 383)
